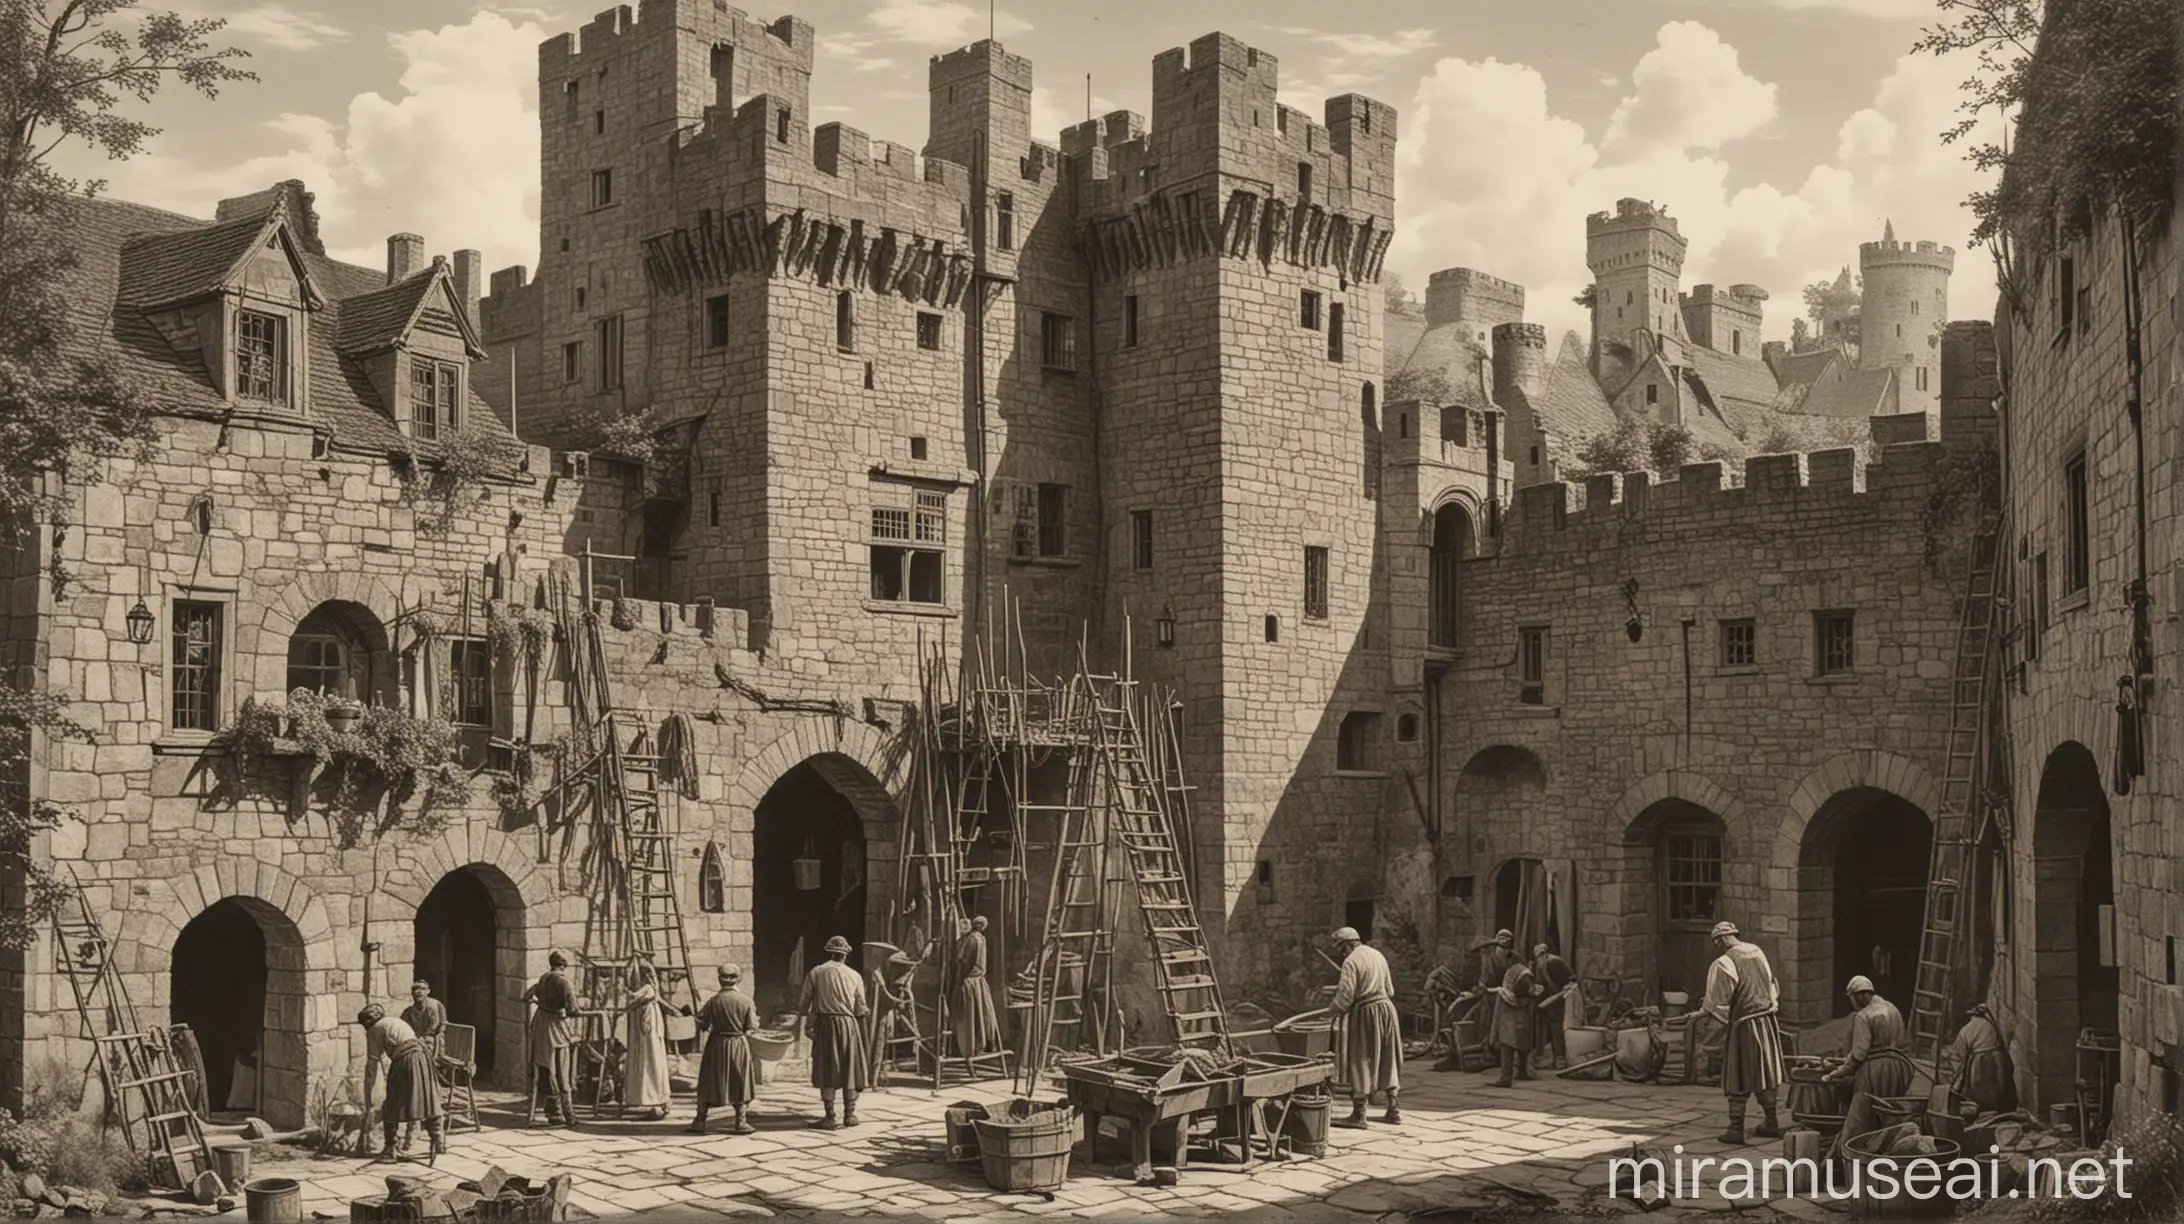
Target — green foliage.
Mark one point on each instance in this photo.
(2093, 91)
(370, 773)
(66, 68)
(1635, 445)
(456, 480)
(1589, 298)
(1967, 488)
(25, 713)
(2155, 1179)
(634, 437)
(1428, 385)
(67, 1149)
(520, 633)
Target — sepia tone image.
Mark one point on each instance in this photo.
(1441, 612)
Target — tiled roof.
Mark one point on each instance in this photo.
(130, 257)
(1731, 378)
(1454, 350)
(374, 320)
(1858, 393)
(1572, 409)
(1802, 370)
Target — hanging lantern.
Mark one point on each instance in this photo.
(805, 868)
(1164, 627)
(141, 622)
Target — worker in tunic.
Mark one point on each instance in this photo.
(644, 1057)
(1984, 1079)
(1554, 976)
(427, 1017)
(1742, 996)
(1877, 1065)
(412, 1091)
(1515, 1011)
(727, 1074)
(834, 1008)
(1494, 962)
(553, 1038)
(977, 1027)
(1372, 1037)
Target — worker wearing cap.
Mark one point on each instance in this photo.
(1742, 996)
(412, 1088)
(727, 1074)
(834, 1007)
(1877, 1064)
(1372, 1037)
(1494, 962)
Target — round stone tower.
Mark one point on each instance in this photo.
(1520, 361)
(1905, 307)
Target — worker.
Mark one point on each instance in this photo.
(1372, 1036)
(1741, 996)
(1494, 961)
(412, 1088)
(1984, 1078)
(1515, 1013)
(427, 1017)
(644, 1044)
(977, 1028)
(1877, 1064)
(727, 1074)
(1554, 976)
(553, 1038)
(896, 1019)
(834, 1005)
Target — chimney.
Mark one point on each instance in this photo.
(1520, 361)
(1773, 352)
(404, 253)
(469, 282)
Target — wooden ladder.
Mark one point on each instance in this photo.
(1957, 826)
(1137, 801)
(1077, 952)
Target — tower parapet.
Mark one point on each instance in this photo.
(1904, 307)
(1465, 295)
(1726, 320)
(1636, 255)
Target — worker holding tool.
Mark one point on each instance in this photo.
(552, 1039)
(1742, 996)
(1372, 1046)
(413, 1090)
(1557, 981)
(1494, 962)
(1877, 1064)
(1515, 1011)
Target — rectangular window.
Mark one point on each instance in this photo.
(1835, 642)
(1532, 666)
(1129, 321)
(1057, 341)
(1315, 582)
(195, 673)
(1141, 539)
(1653, 393)
(1304, 180)
(1692, 876)
(2085, 309)
(1308, 310)
(609, 337)
(1004, 221)
(470, 671)
(1739, 643)
(2039, 602)
(317, 663)
(845, 322)
(1053, 520)
(907, 547)
(571, 92)
(712, 508)
(2077, 520)
(2066, 293)
(1334, 331)
(261, 357)
(1357, 743)
(572, 361)
(716, 321)
(1736, 342)
(599, 123)
(781, 125)
(928, 330)
(602, 188)
(1921, 380)
(433, 389)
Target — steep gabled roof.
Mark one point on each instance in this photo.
(169, 268)
(1733, 381)
(379, 320)
(1572, 408)
(1455, 352)
(1859, 393)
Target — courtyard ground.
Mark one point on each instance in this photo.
(1461, 1147)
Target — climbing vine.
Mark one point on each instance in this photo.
(24, 712)
(457, 478)
(1966, 486)
(385, 772)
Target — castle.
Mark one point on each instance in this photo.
(891, 398)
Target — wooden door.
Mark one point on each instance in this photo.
(1689, 903)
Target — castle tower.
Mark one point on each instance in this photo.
(1838, 322)
(1725, 320)
(1636, 256)
(1473, 299)
(1905, 308)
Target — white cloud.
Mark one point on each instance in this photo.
(1902, 10)
(1689, 92)
(287, 29)
(453, 155)
(939, 25)
(1490, 177)
(1342, 61)
(1052, 111)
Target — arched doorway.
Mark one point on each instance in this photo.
(1501, 793)
(1453, 537)
(237, 982)
(1674, 850)
(795, 908)
(1861, 885)
(2073, 899)
(470, 948)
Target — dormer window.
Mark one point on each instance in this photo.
(261, 352)
(434, 388)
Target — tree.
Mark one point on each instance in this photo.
(1800, 336)
(1590, 298)
(1636, 445)
(1397, 298)
(66, 71)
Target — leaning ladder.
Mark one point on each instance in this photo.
(1963, 796)
(1078, 951)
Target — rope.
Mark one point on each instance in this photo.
(679, 754)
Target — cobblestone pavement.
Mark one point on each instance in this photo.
(1458, 1138)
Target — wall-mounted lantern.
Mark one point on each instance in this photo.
(141, 623)
(1164, 627)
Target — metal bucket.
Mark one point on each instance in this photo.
(232, 1162)
(273, 1200)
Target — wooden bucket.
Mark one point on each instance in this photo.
(1811, 1095)
(1028, 1153)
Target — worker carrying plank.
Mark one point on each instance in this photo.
(1372, 1037)
(1742, 995)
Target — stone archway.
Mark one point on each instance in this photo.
(1861, 897)
(237, 980)
(1628, 884)
(470, 942)
(2073, 889)
(1674, 854)
(811, 874)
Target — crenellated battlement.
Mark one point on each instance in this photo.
(1776, 492)
(1906, 254)
(1454, 294)
(982, 59)
(612, 34)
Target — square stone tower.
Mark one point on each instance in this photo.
(1636, 256)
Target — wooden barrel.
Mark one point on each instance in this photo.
(1872, 1205)
(1027, 1154)
(1809, 1094)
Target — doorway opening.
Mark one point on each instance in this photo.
(2073, 914)
(1862, 895)
(469, 934)
(807, 883)
(237, 982)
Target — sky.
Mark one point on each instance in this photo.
(1779, 133)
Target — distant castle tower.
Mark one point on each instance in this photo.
(1838, 320)
(1905, 307)
(1636, 257)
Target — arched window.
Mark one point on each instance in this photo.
(338, 650)
(712, 882)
